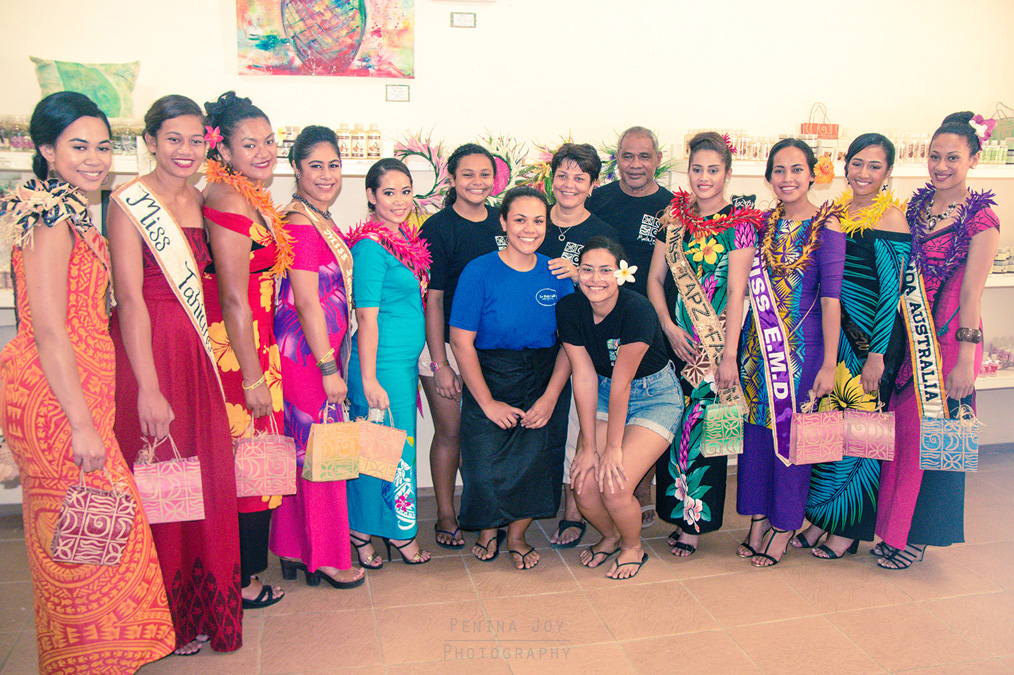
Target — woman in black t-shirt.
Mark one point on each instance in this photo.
(616, 348)
(465, 229)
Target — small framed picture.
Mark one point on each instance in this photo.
(397, 93)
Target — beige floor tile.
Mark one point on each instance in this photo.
(14, 561)
(12, 527)
(987, 620)
(302, 599)
(604, 659)
(500, 579)
(7, 642)
(440, 580)
(590, 578)
(558, 620)
(453, 631)
(23, 657)
(650, 610)
(942, 577)
(240, 662)
(992, 561)
(905, 637)
(712, 652)
(17, 610)
(715, 556)
(319, 642)
(988, 667)
(427, 538)
(803, 646)
(842, 585)
(749, 597)
(490, 665)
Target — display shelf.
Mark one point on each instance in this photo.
(1000, 281)
(6, 298)
(755, 168)
(1001, 381)
(127, 164)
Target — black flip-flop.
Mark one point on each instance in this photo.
(565, 524)
(531, 550)
(607, 554)
(501, 535)
(644, 559)
(452, 535)
(683, 546)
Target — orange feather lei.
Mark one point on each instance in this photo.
(260, 199)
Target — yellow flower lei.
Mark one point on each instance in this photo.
(865, 219)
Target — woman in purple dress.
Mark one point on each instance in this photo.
(789, 349)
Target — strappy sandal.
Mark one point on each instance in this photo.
(359, 543)
(902, 558)
(831, 554)
(674, 537)
(688, 549)
(265, 598)
(524, 558)
(765, 555)
(882, 550)
(746, 542)
(644, 559)
(800, 540)
(501, 535)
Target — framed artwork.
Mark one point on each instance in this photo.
(351, 38)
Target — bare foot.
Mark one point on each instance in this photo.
(593, 556)
(776, 546)
(754, 538)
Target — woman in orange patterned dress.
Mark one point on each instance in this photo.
(56, 402)
(249, 248)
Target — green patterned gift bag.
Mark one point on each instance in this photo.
(723, 430)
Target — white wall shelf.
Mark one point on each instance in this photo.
(754, 168)
(1000, 281)
(1003, 380)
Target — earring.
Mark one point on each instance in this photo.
(297, 176)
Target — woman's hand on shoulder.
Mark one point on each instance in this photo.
(563, 269)
(503, 415)
(87, 448)
(154, 413)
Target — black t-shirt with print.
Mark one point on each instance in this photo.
(632, 320)
(636, 220)
(574, 237)
(454, 242)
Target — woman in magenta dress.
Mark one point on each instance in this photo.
(249, 249)
(954, 239)
(311, 528)
(166, 382)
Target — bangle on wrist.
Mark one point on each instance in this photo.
(328, 368)
(324, 358)
(970, 335)
(254, 385)
(434, 366)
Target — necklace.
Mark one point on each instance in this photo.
(323, 214)
(857, 221)
(682, 210)
(933, 220)
(957, 252)
(782, 267)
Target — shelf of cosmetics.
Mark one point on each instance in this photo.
(750, 156)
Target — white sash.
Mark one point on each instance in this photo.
(167, 243)
(927, 367)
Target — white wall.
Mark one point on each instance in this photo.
(539, 69)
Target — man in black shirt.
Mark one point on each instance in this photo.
(633, 205)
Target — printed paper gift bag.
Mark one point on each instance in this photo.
(950, 445)
(869, 433)
(93, 525)
(171, 490)
(332, 450)
(816, 436)
(723, 430)
(822, 127)
(265, 463)
(380, 447)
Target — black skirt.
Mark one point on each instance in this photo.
(510, 474)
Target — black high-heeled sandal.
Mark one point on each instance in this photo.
(359, 543)
(902, 558)
(765, 555)
(746, 542)
(290, 567)
(830, 554)
(417, 559)
(334, 583)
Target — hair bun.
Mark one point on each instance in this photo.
(224, 102)
(963, 117)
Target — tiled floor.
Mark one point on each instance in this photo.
(713, 613)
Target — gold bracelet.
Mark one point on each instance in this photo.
(325, 357)
(254, 385)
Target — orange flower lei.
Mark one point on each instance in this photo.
(682, 210)
(780, 267)
(260, 199)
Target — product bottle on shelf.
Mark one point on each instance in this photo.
(358, 147)
(373, 142)
(344, 140)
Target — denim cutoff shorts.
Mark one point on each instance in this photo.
(656, 402)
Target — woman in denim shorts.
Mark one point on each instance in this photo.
(617, 351)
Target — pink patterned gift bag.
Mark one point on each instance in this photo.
(170, 490)
(816, 436)
(93, 525)
(265, 463)
(870, 434)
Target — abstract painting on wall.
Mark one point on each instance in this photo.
(352, 38)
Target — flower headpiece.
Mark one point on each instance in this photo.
(213, 137)
(729, 144)
(625, 273)
(824, 170)
(983, 127)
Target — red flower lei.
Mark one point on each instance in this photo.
(682, 210)
(413, 252)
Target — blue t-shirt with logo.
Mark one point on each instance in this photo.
(506, 308)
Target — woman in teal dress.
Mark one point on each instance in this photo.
(391, 267)
(843, 494)
(718, 244)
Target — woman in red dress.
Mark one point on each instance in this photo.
(171, 388)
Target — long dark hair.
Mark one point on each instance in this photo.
(462, 151)
(52, 115)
